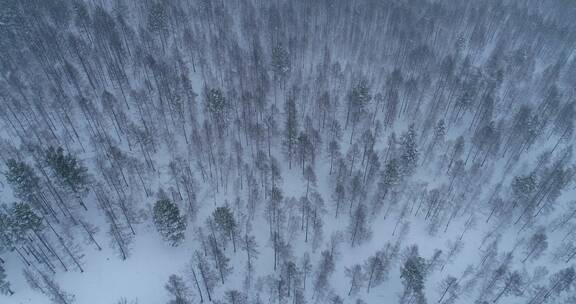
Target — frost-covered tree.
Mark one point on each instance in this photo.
(310, 177)
(219, 259)
(438, 138)
(235, 297)
(158, 21)
(68, 171)
(24, 181)
(357, 278)
(305, 150)
(216, 107)
(4, 283)
(333, 152)
(413, 274)
(536, 245)
(23, 220)
(290, 130)
(561, 281)
(389, 178)
(207, 275)
(306, 268)
(358, 227)
(250, 246)
(280, 64)
(339, 195)
(408, 151)
(336, 299)
(224, 219)
(449, 288)
(178, 289)
(169, 222)
(7, 236)
(512, 286)
(53, 290)
(323, 272)
(376, 267)
(358, 99)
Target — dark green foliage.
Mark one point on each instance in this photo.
(215, 102)
(68, 170)
(290, 129)
(412, 275)
(224, 218)
(409, 151)
(390, 176)
(23, 180)
(216, 105)
(169, 222)
(15, 222)
(280, 62)
(4, 284)
(23, 219)
(6, 235)
(157, 18)
(358, 98)
(226, 224)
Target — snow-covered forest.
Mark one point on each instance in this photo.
(287, 151)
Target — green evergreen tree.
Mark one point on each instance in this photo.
(412, 275)
(409, 151)
(290, 129)
(280, 67)
(158, 21)
(23, 219)
(169, 222)
(23, 180)
(280, 62)
(216, 105)
(358, 97)
(6, 231)
(224, 218)
(69, 172)
(15, 222)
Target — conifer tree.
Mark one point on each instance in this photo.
(178, 289)
(169, 222)
(357, 278)
(7, 237)
(280, 62)
(412, 275)
(358, 98)
(23, 219)
(69, 172)
(358, 228)
(290, 129)
(224, 219)
(409, 151)
(23, 180)
(216, 105)
(4, 284)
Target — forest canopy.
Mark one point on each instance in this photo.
(287, 151)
